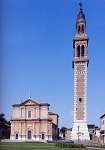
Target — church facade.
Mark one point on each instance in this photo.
(80, 65)
(33, 121)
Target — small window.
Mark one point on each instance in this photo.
(80, 100)
(29, 114)
(93, 131)
(78, 51)
(91, 137)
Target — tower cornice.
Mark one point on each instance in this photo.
(80, 39)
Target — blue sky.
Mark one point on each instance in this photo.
(36, 53)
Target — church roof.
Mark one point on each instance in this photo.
(102, 116)
(30, 102)
(52, 113)
(68, 129)
(91, 125)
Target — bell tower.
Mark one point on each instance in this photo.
(80, 65)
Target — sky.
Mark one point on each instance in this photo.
(36, 52)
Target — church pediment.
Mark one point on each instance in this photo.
(29, 102)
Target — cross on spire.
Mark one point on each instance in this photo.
(30, 95)
(80, 4)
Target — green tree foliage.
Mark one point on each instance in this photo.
(62, 130)
(4, 127)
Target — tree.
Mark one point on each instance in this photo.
(4, 127)
(62, 130)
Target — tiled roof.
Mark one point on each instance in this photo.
(102, 116)
(51, 113)
(68, 129)
(91, 125)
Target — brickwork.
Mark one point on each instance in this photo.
(80, 93)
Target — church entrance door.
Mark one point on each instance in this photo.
(29, 134)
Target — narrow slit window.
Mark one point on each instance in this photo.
(82, 51)
(82, 28)
(78, 29)
(78, 51)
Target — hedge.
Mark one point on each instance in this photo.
(69, 145)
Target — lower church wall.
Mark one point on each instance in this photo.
(31, 131)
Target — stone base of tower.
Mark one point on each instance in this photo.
(80, 132)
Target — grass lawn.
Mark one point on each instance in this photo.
(33, 146)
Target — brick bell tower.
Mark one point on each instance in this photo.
(80, 64)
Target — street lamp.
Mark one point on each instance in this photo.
(78, 134)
